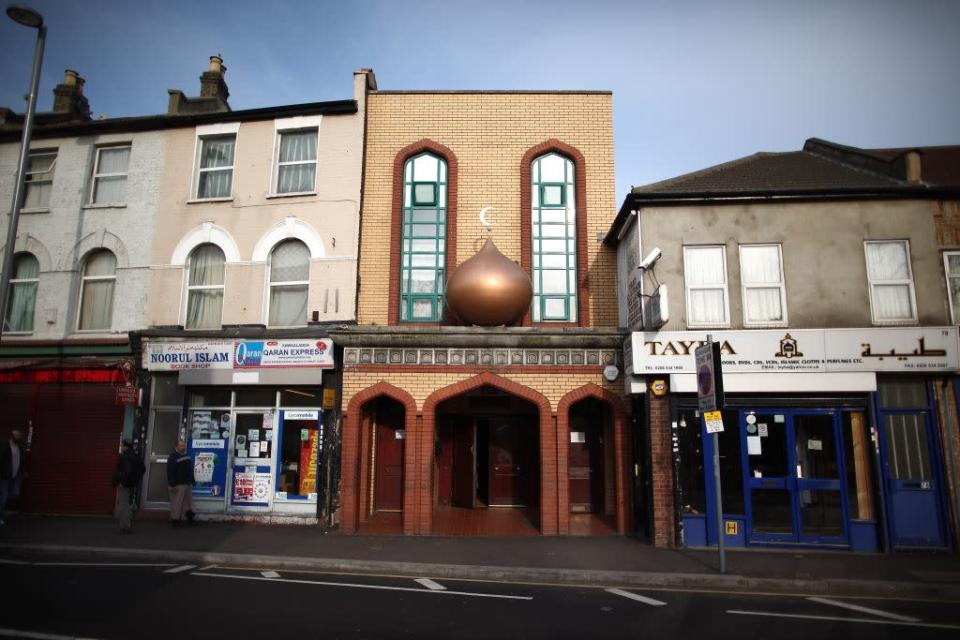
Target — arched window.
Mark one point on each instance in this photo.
(553, 227)
(96, 291)
(23, 293)
(205, 277)
(424, 248)
(289, 282)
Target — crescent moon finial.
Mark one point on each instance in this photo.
(483, 218)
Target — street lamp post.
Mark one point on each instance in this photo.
(29, 18)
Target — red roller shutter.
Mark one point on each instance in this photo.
(76, 432)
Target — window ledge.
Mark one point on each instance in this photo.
(766, 325)
(201, 200)
(700, 327)
(92, 205)
(17, 334)
(895, 323)
(35, 210)
(271, 196)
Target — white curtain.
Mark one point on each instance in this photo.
(289, 262)
(205, 288)
(109, 189)
(889, 261)
(96, 304)
(763, 304)
(761, 265)
(705, 266)
(297, 147)
(217, 152)
(39, 181)
(23, 295)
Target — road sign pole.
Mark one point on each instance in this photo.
(717, 491)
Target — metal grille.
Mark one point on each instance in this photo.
(907, 450)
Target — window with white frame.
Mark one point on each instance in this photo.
(761, 277)
(96, 291)
(289, 284)
(296, 170)
(890, 278)
(214, 164)
(38, 179)
(553, 226)
(206, 269)
(705, 275)
(951, 267)
(110, 175)
(23, 293)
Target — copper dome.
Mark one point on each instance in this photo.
(489, 289)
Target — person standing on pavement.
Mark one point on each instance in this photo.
(180, 480)
(11, 468)
(126, 477)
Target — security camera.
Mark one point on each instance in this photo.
(651, 258)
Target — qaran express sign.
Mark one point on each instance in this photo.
(901, 349)
(238, 354)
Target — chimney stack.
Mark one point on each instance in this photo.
(68, 97)
(212, 84)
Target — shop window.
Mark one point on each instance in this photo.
(424, 241)
(892, 298)
(38, 180)
(256, 397)
(301, 397)
(951, 266)
(205, 284)
(289, 284)
(22, 296)
(705, 276)
(215, 166)
(96, 291)
(554, 239)
(167, 390)
(209, 397)
(902, 393)
(110, 175)
(692, 479)
(764, 292)
(296, 162)
(300, 446)
(164, 431)
(858, 455)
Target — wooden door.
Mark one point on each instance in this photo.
(388, 494)
(585, 468)
(507, 462)
(445, 438)
(465, 464)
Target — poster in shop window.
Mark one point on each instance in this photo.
(252, 485)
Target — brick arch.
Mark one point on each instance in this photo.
(396, 218)
(526, 240)
(547, 432)
(353, 484)
(621, 446)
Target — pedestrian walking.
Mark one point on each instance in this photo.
(180, 480)
(11, 468)
(126, 477)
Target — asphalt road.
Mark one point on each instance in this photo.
(57, 600)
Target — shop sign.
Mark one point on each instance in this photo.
(127, 396)
(329, 398)
(173, 356)
(301, 415)
(899, 349)
(259, 354)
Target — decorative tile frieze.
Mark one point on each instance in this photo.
(353, 356)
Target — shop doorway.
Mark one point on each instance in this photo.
(252, 472)
(590, 435)
(488, 465)
(793, 466)
(388, 447)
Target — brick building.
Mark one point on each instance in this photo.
(454, 428)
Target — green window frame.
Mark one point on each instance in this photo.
(554, 239)
(423, 255)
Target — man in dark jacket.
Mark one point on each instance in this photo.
(126, 478)
(11, 468)
(180, 481)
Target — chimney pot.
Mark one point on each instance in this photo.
(216, 64)
(70, 77)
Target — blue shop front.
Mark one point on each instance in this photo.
(832, 438)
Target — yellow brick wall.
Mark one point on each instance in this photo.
(489, 133)
(420, 385)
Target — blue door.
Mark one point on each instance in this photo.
(793, 464)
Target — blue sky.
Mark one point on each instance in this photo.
(695, 82)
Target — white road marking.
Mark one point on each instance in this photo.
(365, 586)
(183, 567)
(927, 625)
(36, 635)
(856, 607)
(430, 584)
(5, 561)
(270, 574)
(103, 564)
(637, 597)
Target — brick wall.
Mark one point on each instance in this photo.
(946, 217)
(661, 462)
(489, 135)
